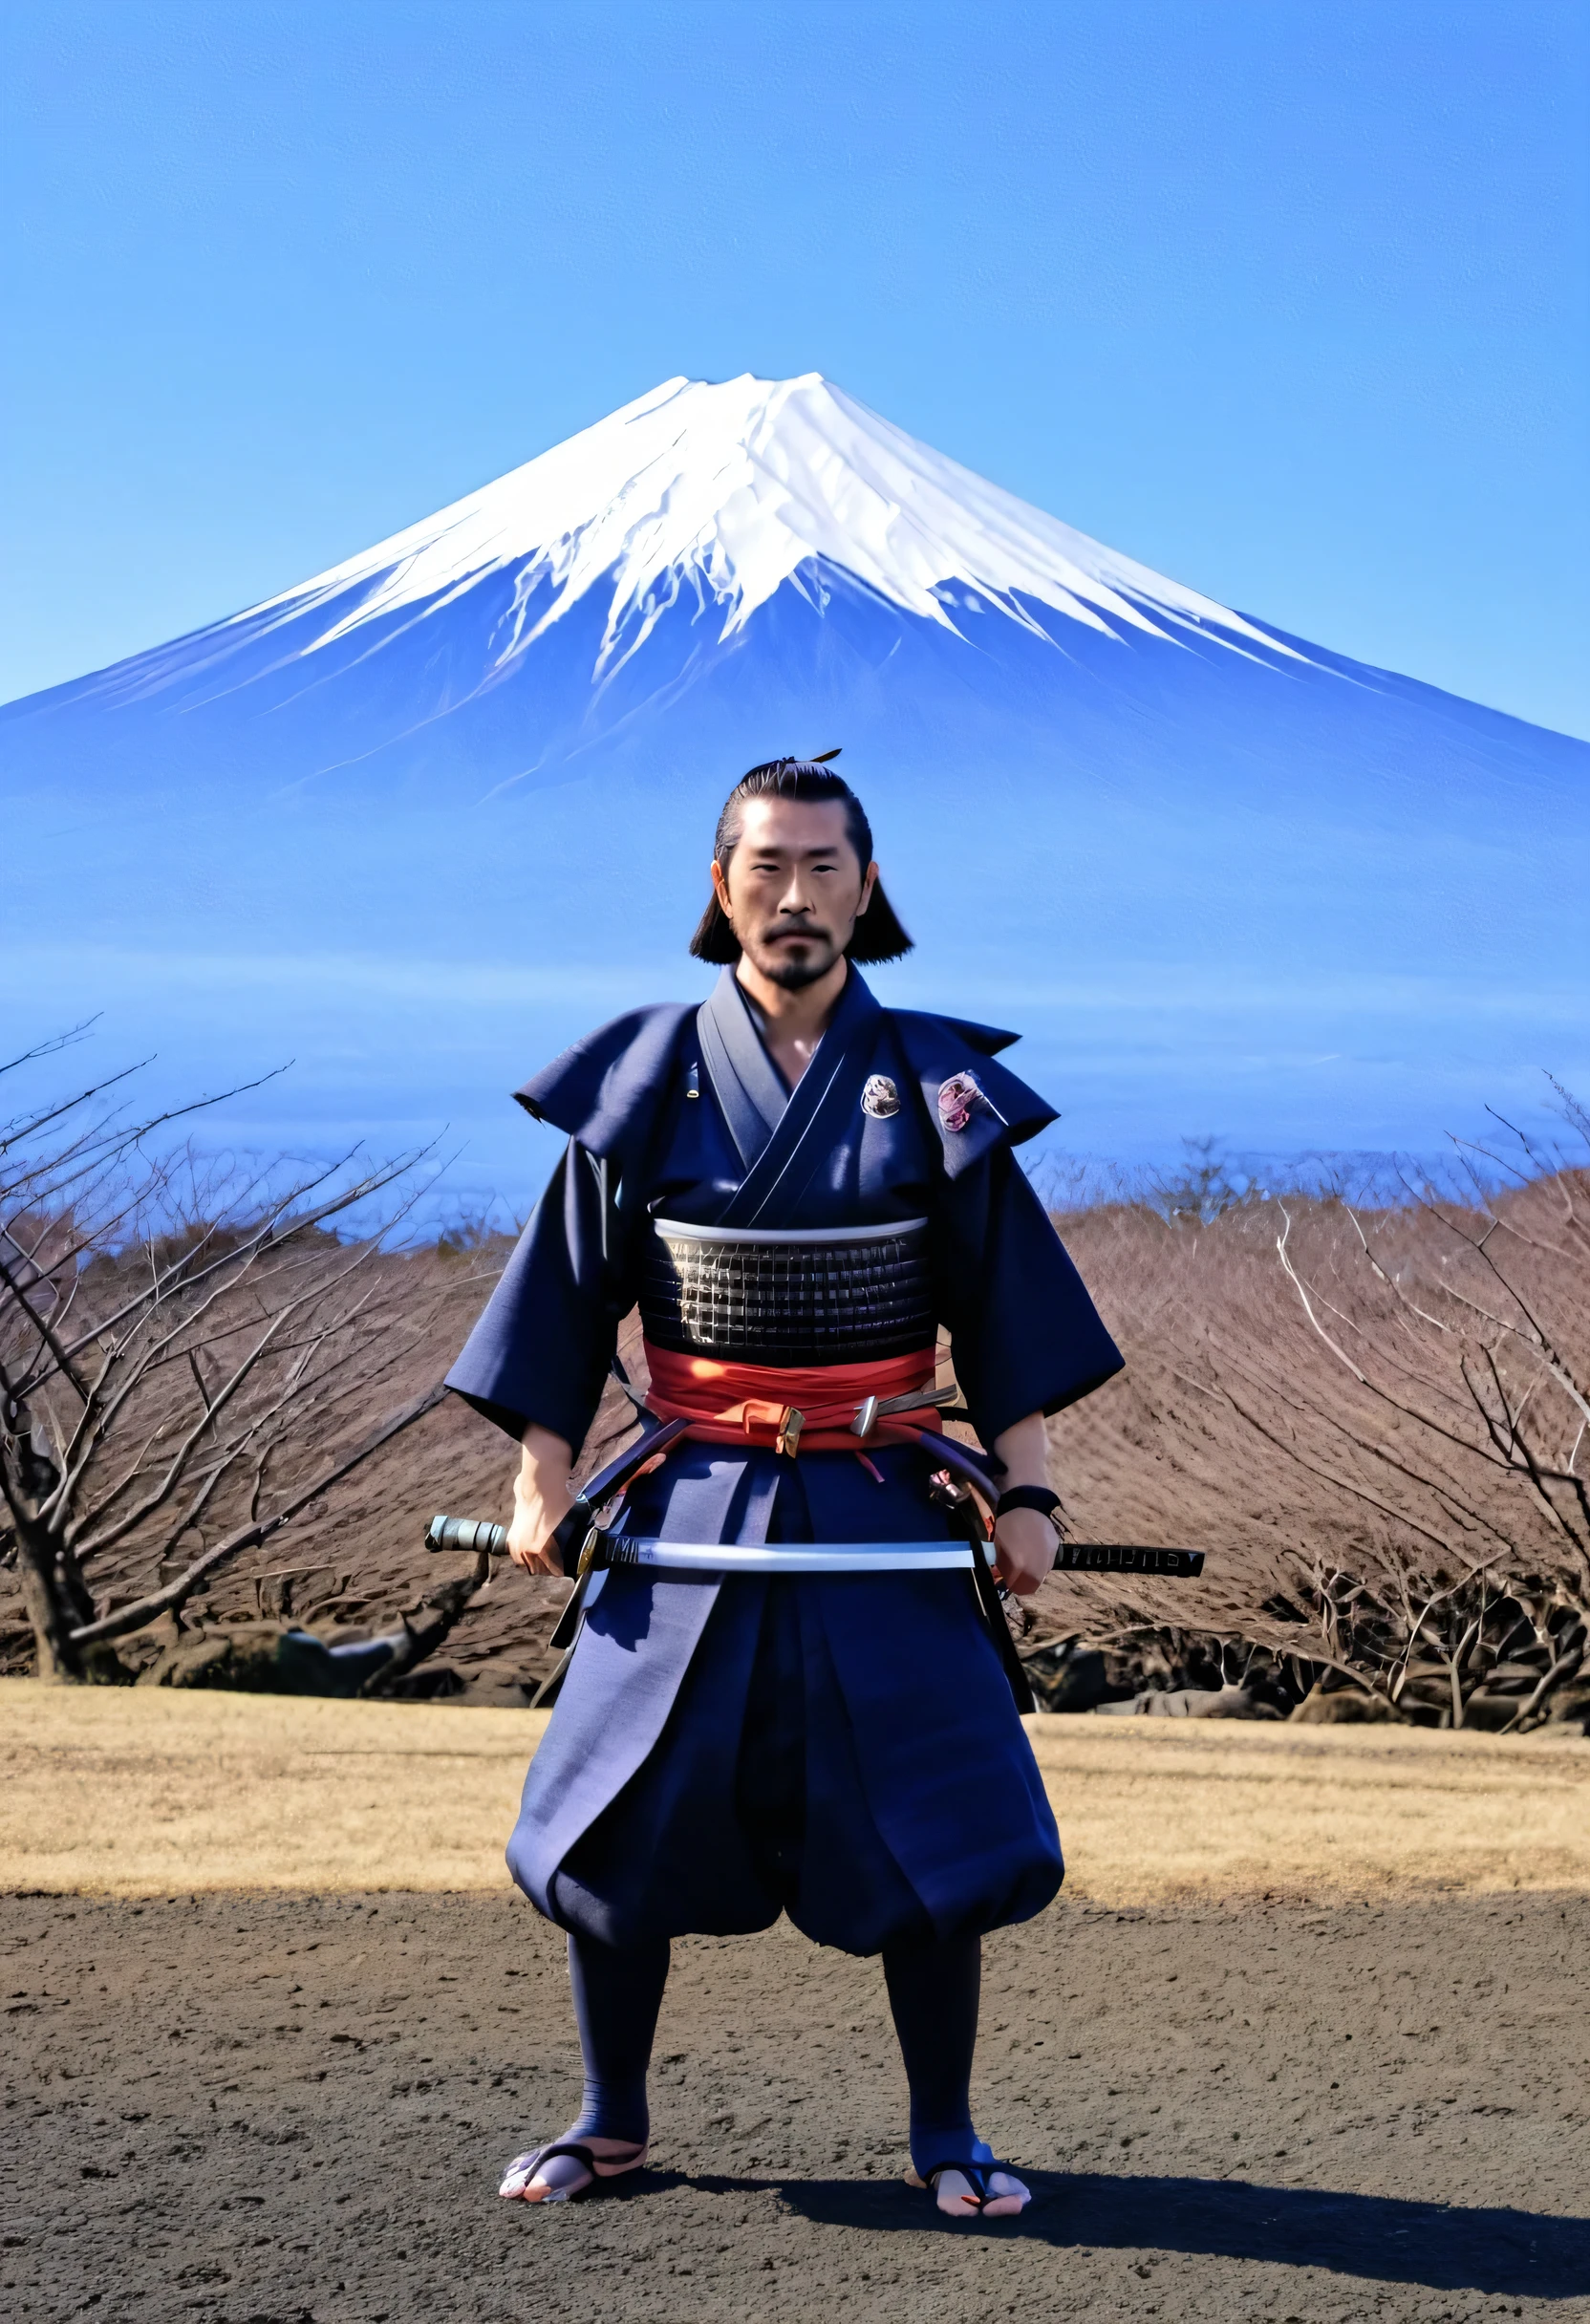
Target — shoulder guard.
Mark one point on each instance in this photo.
(604, 1090)
(974, 1102)
(986, 1038)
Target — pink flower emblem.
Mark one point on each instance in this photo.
(956, 1099)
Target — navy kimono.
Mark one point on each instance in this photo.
(843, 1746)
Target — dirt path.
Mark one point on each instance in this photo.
(262, 2110)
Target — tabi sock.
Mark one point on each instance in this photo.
(934, 1991)
(617, 1996)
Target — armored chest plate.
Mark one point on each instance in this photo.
(835, 1295)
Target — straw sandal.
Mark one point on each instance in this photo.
(981, 2200)
(525, 2169)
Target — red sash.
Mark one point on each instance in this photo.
(792, 1408)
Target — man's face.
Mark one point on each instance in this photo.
(794, 889)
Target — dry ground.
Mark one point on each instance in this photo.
(243, 2086)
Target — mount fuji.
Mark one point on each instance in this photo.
(421, 819)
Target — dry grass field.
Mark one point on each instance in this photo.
(142, 1792)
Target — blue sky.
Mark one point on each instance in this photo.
(1289, 300)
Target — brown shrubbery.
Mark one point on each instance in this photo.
(1373, 1419)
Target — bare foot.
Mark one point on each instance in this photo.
(565, 2167)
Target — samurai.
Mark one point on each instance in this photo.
(793, 1688)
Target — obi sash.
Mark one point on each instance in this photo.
(827, 1407)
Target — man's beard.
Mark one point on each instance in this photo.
(794, 976)
(782, 965)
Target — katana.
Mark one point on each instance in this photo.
(599, 1552)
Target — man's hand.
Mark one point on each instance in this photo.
(1024, 1541)
(1024, 1550)
(542, 1499)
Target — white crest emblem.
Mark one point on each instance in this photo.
(880, 1098)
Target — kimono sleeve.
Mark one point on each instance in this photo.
(1024, 1334)
(542, 1347)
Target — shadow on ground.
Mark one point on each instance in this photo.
(1440, 2246)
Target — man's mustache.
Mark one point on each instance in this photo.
(806, 932)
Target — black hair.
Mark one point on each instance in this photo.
(879, 934)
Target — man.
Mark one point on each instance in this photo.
(791, 1688)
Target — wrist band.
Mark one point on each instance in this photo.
(1029, 1497)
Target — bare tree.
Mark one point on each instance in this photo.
(189, 1355)
(1459, 1333)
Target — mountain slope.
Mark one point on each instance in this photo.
(419, 818)
(718, 495)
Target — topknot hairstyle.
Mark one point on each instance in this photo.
(879, 934)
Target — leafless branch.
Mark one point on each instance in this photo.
(142, 1611)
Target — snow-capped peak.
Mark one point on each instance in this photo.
(720, 492)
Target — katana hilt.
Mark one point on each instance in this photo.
(476, 1537)
(1127, 1558)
